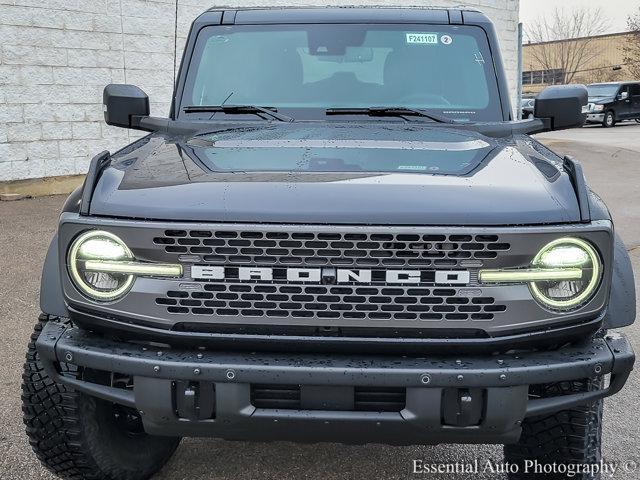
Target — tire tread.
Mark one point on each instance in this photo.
(58, 433)
(571, 436)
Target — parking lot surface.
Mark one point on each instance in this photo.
(624, 135)
(611, 159)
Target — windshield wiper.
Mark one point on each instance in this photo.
(240, 109)
(389, 112)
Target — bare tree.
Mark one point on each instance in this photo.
(632, 49)
(564, 56)
(601, 73)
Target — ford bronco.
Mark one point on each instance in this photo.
(340, 233)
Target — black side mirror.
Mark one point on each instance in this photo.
(124, 105)
(565, 106)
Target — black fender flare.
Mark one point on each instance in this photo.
(51, 294)
(621, 310)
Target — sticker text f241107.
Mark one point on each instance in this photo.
(424, 38)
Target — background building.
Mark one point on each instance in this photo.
(56, 56)
(604, 61)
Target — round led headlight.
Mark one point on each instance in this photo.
(99, 246)
(578, 275)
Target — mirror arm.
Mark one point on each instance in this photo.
(166, 125)
(149, 124)
(507, 129)
(535, 125)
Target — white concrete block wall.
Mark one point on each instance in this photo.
(57, 55)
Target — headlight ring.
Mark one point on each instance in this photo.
(99, 245)
(103, 268)
(563, 275)
(567, 253)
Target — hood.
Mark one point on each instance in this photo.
(370, 173)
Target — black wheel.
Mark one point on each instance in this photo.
(609, 119)
(569, 437)
(77, 436)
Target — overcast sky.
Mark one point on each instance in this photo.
(616, 11)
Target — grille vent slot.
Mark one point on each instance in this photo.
(380, 399)
(285, 397)
(222, 247)
(330, 302)
(365, 399)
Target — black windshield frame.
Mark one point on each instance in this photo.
(496, 110)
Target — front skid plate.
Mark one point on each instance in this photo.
(505, 379)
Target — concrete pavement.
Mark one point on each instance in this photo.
(624, 135)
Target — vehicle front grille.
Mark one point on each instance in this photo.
(308, 286)
(300, 248)
(371, 302)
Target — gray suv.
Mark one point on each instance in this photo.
(339, 234)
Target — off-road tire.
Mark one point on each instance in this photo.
(568, 437)
(76, 436)
(609, 119)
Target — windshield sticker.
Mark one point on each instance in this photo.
(422, 38)
(412, 167)
(446, 39)
(479, 58)
(459, 112)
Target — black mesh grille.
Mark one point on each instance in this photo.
(231, 247)
(331, 302)
(365, 399)
(285, 397)
(379, 399)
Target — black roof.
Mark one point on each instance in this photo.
(278, 15)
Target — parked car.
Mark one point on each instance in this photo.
(527, 106)
(339, 234)
(610, 103)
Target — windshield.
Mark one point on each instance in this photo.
(305, 69)
(602, 90)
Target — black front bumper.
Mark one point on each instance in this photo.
(209, 393)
